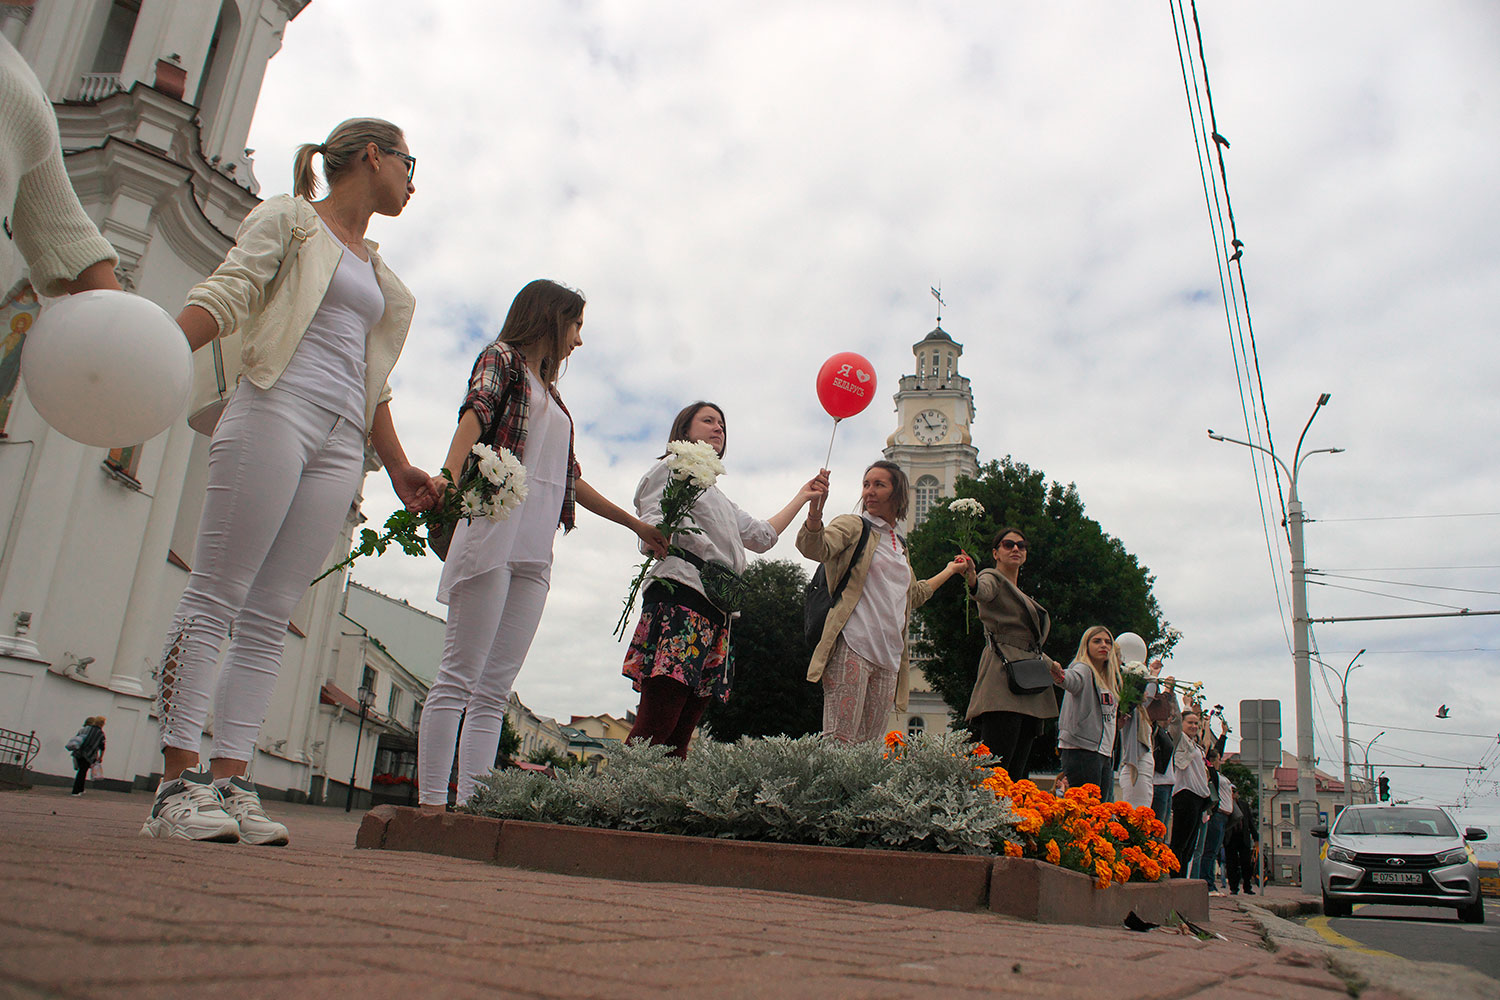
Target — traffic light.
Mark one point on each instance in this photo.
(1385, 788)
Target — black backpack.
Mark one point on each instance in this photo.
(817, 601)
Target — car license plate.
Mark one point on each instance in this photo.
(1396, 878)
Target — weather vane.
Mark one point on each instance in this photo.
(937, 293)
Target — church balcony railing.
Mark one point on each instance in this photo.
(98, 86)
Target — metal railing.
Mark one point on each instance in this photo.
(98, 86)
(17, 751)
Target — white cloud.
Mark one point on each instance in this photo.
(742, 189)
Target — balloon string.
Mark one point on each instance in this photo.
(830, 442)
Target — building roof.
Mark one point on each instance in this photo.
(938, 333)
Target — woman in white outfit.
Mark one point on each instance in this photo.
(322, 321)
(497, 573)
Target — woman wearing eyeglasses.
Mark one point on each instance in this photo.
(321, 321)
(1015, 628)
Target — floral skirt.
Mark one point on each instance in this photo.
(680, 643)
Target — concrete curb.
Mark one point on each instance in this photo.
(1022, 888)
(1403, 977)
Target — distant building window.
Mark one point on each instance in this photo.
(928, 490)
(394, 704)
(123, 461)
(1286, 838)
(369, 678)
(1286, 810)
(915, 726)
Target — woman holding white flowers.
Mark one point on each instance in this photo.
(499, 565)
(1090, 705)
(680, 656)
(863, 658)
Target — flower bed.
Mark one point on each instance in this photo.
(935, 793)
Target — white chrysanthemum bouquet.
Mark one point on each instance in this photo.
(494, 489)
(695, 467)
(967, 511)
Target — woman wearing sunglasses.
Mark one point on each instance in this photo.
(321, 321)
(1015, 628)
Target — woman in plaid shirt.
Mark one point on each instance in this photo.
(496, 576)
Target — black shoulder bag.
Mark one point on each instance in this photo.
(1029, 676)
(816, 599)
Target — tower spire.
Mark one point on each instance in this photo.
(937, 293)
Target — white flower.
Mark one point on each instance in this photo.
(695, 461)
(968, 507)
(473, 504)
(1135, 667)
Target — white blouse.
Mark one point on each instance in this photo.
(876, 629)
(725, 532)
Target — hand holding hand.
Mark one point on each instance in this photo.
(656, 542)
(415, 488)
(1058, 673)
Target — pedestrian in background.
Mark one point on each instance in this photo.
(87, 746)
(1015, 628)
(1221, 804)
(1239, 835)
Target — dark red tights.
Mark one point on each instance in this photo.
(667, 715)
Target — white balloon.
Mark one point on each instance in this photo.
(107, 368)
(1132, 647)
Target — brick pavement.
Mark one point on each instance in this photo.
(89, 909)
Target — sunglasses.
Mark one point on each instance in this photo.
(1011, 543)
(411, 161)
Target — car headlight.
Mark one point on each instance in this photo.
(1340, 854)
(1457, 856)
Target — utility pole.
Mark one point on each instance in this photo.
(1307, 792)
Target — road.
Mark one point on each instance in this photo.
(1422, 933)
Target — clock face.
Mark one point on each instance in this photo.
(930, 426)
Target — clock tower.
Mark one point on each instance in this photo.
(934, 409)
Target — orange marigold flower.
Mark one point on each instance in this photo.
(1169, 860)
(1012, 849)
(1118, 832)
(980, 750)
(1031, 820)
(1158, 829)
(1104, 875)
(894, 739)
(1152, 870)
(1053, 855)
(1122, 872)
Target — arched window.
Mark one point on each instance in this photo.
(928, 490)
(915, 726)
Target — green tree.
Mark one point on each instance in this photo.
(1080, 574)
(1244, 782)
(771, 695)
(554, 757)
(510, 742)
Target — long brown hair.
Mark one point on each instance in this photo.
(684, 422)
(900, 487)
(538, 322)
(340, 150)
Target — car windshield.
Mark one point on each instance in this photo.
(1394, 822)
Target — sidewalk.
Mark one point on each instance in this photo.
(89, 909)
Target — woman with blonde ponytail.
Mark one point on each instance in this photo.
(321, 321)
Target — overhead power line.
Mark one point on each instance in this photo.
(1409, 517)
(1434, 732)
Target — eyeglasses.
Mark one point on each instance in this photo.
(1011, 543)
(411, 161)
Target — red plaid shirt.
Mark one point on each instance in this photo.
(500, 396)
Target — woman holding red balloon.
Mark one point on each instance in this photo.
(863, 657)
(322, 321)
(679, 656)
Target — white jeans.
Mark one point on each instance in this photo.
(282, 473)
(1136, 789)
(492, 619)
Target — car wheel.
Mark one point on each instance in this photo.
(1337, 907)
(1473, 913)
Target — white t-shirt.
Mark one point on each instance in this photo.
(482, 545)
(328, 366)
(1189, 771)
(876, 629)
(1109, 708)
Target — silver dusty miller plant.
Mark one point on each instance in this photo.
(923, 796)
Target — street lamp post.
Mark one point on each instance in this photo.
(1344, 711)
(1369, 775)
(366, 699)
(1307, 793)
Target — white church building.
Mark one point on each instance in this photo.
(154, 100)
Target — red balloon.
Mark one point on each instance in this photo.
(846, 384)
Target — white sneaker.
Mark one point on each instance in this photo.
(242, 803)
(188, 808)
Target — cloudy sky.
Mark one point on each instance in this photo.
(742, 189)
